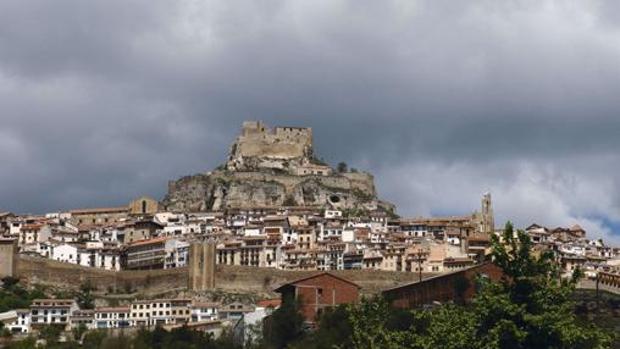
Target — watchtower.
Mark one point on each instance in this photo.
(201, 266)
(8, 257)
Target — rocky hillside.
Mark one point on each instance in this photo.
(262, 173)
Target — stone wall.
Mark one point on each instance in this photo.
(232, 279)
(361, 180)
(257, 140)
(35, 270)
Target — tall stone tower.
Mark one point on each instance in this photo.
(8, 254)
(201, 266)
(488, 220)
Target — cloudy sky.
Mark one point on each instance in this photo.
(101, 101)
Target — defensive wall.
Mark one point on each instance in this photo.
(36, 270)
(258, 140)
(234, 279)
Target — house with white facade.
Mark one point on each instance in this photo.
(65, 252)
(52, 311)
(16, 321)
(204, 311)
(112, 317)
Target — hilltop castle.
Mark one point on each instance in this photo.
(281, 149)
(273, 167)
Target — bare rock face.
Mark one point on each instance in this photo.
(272, 168)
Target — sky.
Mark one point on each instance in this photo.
(103, 101)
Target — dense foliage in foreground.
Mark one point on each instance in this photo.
(531, 308)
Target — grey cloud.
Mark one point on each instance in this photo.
(105, 100)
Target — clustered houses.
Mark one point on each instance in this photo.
(573, 250)
(140, 236)
(143, 313)
(311, 239)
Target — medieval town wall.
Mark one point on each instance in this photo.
(233, 279)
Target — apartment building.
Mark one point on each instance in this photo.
(52, 312)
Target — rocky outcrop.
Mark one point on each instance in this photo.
(219, 190)
(272, 168)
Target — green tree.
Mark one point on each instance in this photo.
(368, 321)
(9, 282)
(342, 167)
(334, 330)
(530, 307)
(14, 296)
(84, 297)
(4, 332)
(285, 324)
(93, 339)
(26, 343)
(50, 334)
(78, 332)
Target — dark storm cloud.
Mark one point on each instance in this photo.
(442, 100)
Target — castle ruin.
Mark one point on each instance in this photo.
(273, 167)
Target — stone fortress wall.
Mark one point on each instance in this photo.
(233, 279)
(257, 140)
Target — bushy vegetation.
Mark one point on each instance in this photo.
(179, 338)
(15, 296)
(342, 167)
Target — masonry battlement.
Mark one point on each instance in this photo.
(257, 130)
(257, 140)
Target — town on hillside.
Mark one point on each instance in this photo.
(276, 205)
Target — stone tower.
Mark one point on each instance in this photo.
(488, 220)
(8, 254)
(201, 266)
